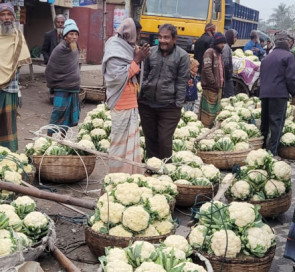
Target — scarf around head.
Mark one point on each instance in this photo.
(14, 53)
(127, 31)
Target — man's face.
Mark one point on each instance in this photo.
(59, 23)
(71, 37)
(6, 17)
(166, 41)
(220, 45)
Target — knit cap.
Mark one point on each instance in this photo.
(281, 36)
(218, 38)
(70, 25)
(7, 6)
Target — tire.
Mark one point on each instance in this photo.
(240, 86)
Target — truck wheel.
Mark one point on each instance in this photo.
(240, 86)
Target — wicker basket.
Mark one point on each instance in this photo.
(287, 152)
(82, 95)
(95, 94)
(187, 194)
(64, 169)
(29, 177)
(97, 242)
(256, 143)
(273, 207)
(242, 263)
(224, 160)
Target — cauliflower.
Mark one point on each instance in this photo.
(245, 114)
(111, 212)
(241, 146)
(146, 249)
(179, 254)
(138, 177)
(104, 144)
(163, 227)
(136, 218)
(225, 243)
(182, 182)
(288, 139)
(241, 213)
(189, 172)
(4, 234)
(268, 231)
(197, 236)
(6, 246)
(105, 198)
(149, 267)
(181, 133)
(241, 190)
(258, 242)
(239, 135)
(40, 145)
(224, 144)
(227, 179)
(274, 188)
(282, 171)
(23, 239)
(189, 267)
(211, 172)
(149, 232)
(169, 168)
(116, 178)
(223, 115)
(177, 241)
(206, 144)
(257, 176)
(128, 193)
(164, 178)
(98, 134)
(118, 266)
(159, 205)
(120, 231)
(86, 144)
(189, 116)
(116, 254)
(24, 205)
(14, 220)
(97, 226)
(35, 219)
(97, 123)
(229, 127)
(145, 193)
(12, 177)
(5, 207)
(257, 158)
(154, 163)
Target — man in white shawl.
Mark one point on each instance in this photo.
(121, 67)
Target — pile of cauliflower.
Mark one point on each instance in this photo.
(134, 205)
(248, 54)
(14, 168)
(230, 230)
(186, 169)
(288, 135)
(20, 225)
(261, 178)
(170, 256)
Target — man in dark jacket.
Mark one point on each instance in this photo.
(203, 43)
(53, 37)
(162, 95)
(277, 83)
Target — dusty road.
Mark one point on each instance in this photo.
(34, 114)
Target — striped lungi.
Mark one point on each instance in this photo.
(66, 108)
(8, 131)
(209, 107)
(125, 142)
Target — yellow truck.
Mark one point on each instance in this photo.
(191, 16)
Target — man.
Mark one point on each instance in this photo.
(231, 37)
(121, 67)
(14, 53)
(212, 81)
(53, 37)
(254, 45)
(277, 82)
(203, 43)
(162, 95)
(63, 77)
(269, 46)
(291, 43)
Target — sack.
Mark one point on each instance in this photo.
(191, 91)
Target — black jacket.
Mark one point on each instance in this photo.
(165, 78)
(50, 42)
(201, 45)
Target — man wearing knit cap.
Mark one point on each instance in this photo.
(63, 76)
(212, 81)
(14, 53)
(277, 83)
(203, 43)
(254, 45)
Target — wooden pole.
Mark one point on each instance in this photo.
(32, 191)
(64, 261)
(53, 14)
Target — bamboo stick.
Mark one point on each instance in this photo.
(203, 136)
(222, 189)
(64, 261)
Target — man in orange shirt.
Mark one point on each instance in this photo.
(120, 68)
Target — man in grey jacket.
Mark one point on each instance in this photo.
(162, 95)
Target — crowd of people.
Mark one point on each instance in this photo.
(154, 83)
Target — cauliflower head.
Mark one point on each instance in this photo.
(128, 193)
(111, 212)
(197, 236)
(211, 172)
(154, 163)
(117, 254)
(241, 190)
(274, 188)
(177, 241)
(136, 218)
(158, 204)
(35, 219)
(164, 226)
(146, 249)
(282, 170)
(118, 266)
(188, 267)
(150, 267)
(241, 213)
(120, 231)
(6, 246)
(257, 158)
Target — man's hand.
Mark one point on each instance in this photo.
(142, 53)
(293, 100)
(255, 49)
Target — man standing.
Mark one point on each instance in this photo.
(14, 53)
(63, 77)
(254, 45)
(212, 81)
(277, 82)
(203, 43)
(53, 38)
(162, 95)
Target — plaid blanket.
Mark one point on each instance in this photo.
(8, 131)
(209, 107)
(66, 108)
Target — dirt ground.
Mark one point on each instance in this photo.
(35, 113)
